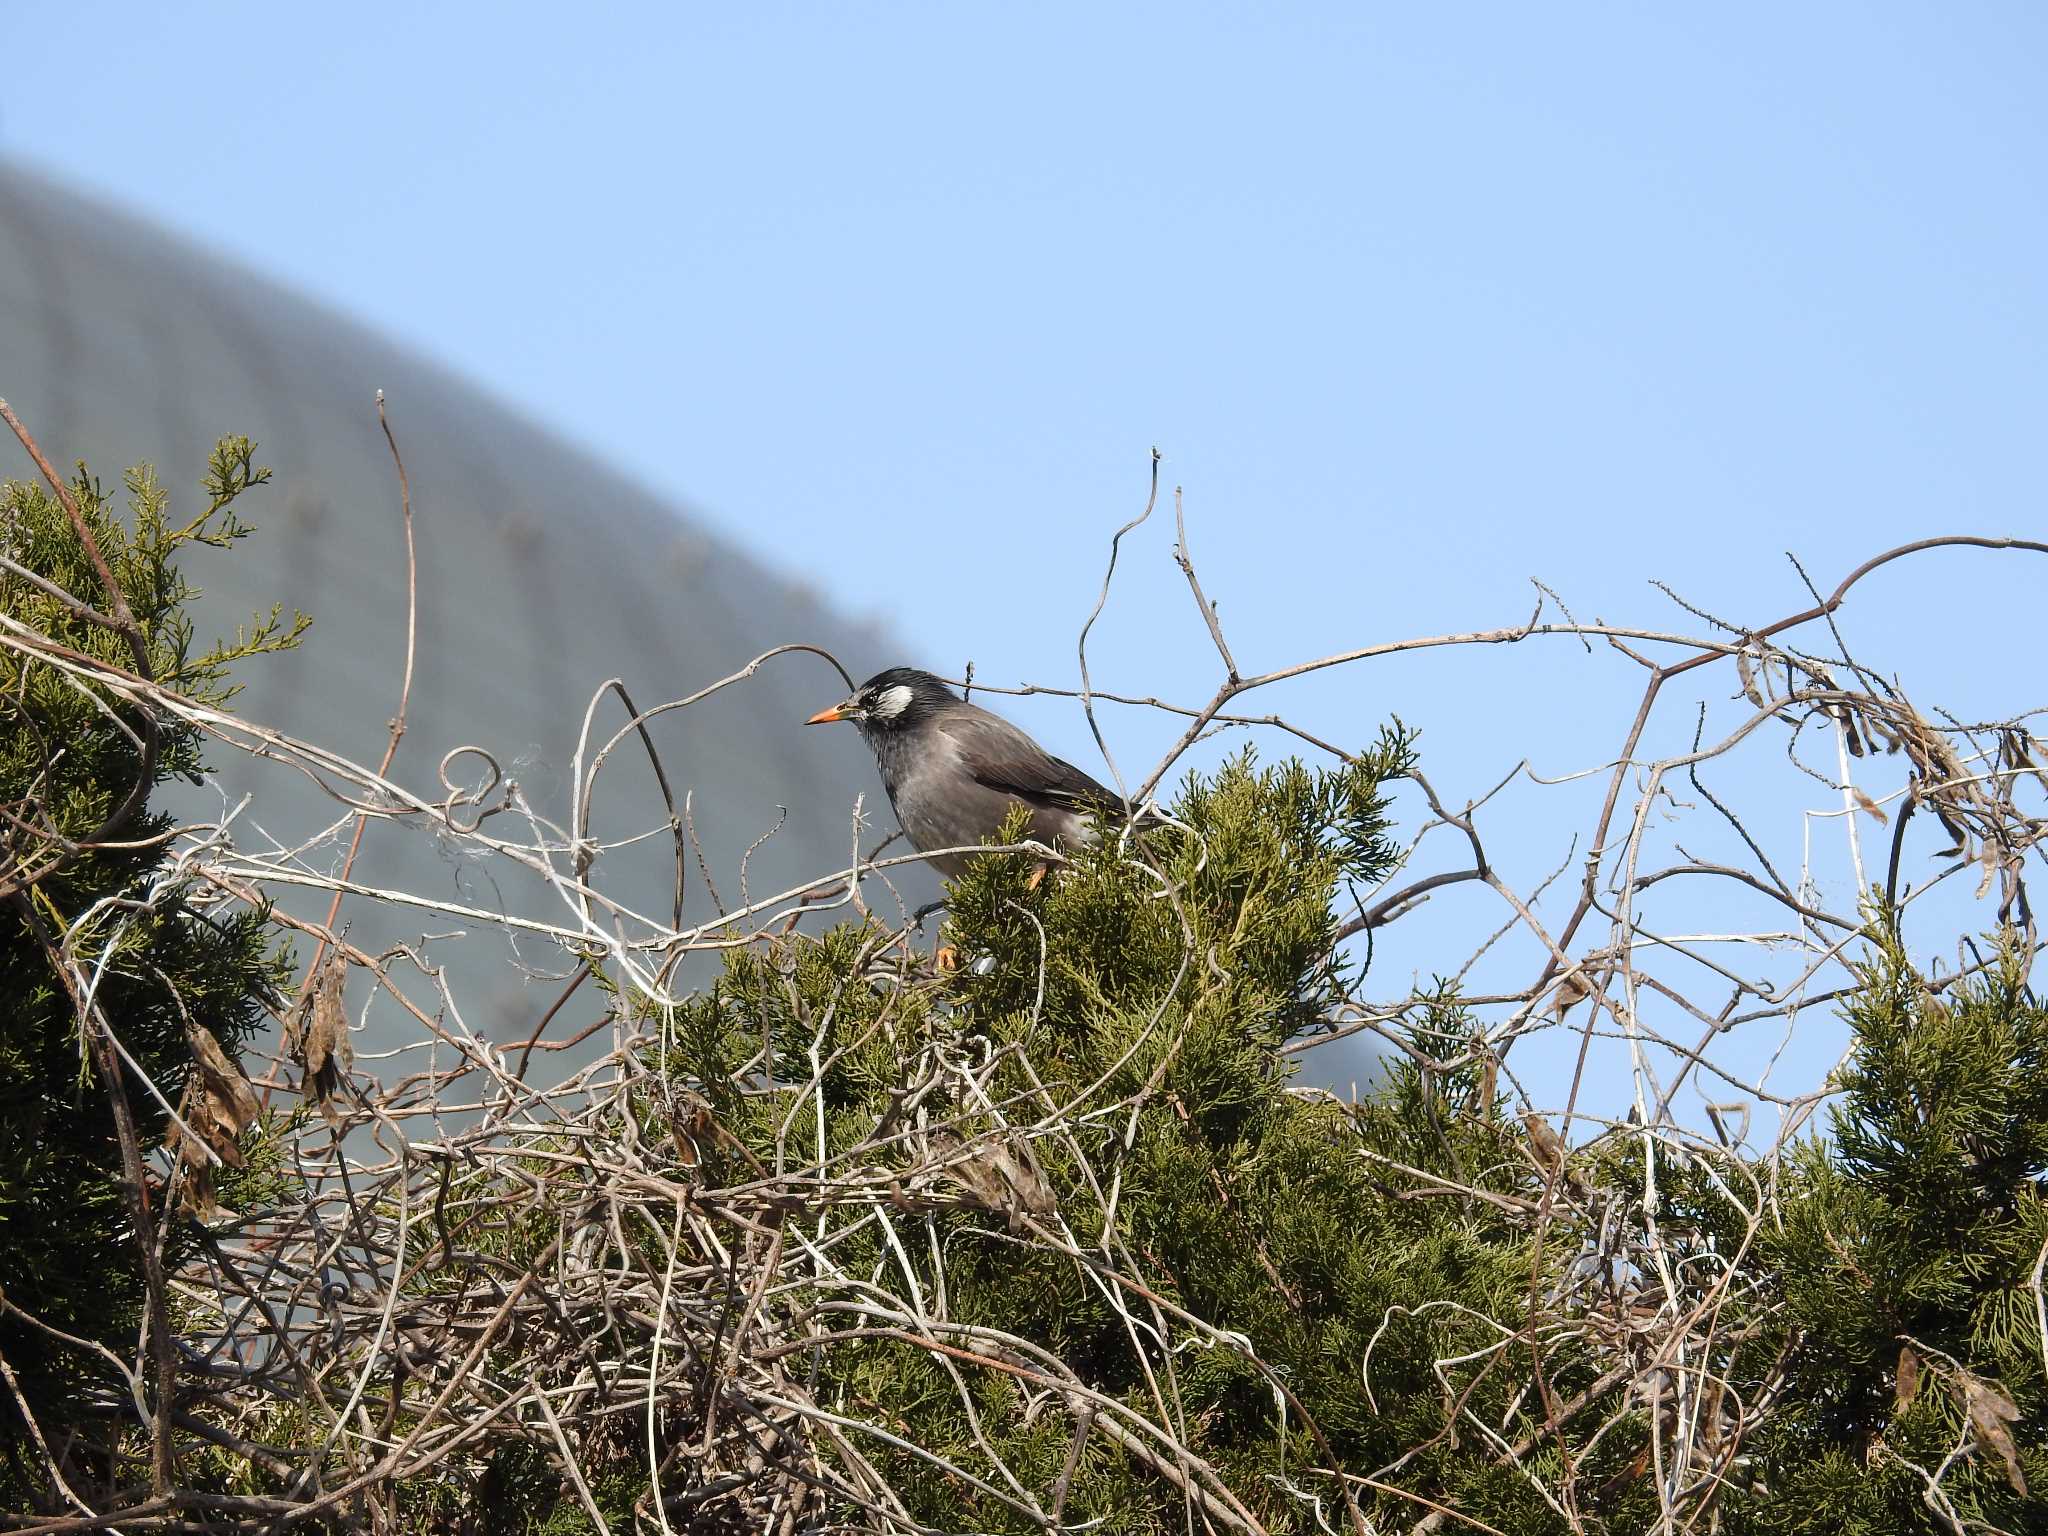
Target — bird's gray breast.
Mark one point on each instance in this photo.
(941, 804)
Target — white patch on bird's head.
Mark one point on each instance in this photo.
(891, 702)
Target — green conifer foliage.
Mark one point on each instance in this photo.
(1146, 1009)
(103, 892)
(1909, 1259)
(1056, 1238)
(1430, 1303)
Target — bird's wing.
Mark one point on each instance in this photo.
(1003, 758)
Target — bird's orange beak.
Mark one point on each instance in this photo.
(825, 716)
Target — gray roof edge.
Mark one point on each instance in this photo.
(204, 264)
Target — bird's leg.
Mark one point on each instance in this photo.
(945, 957)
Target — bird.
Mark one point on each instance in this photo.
(953, 770)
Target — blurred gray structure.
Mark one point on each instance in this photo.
(541, 571)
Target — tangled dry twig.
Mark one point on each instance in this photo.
(602, 1270)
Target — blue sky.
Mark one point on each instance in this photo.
(1419, 303)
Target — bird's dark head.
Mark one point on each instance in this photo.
(894, 700)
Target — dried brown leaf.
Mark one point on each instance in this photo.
(999, 1175)
(326, 1033)
(1866, 804)
(1572, 990)
(1988, 857)
(1028, 1191)
(2030, 740)
(1747, 673)
(218, 1105)
(1992, 1414)
(196, 1194)
(1550, 1148)
(317, 1035)
(1908, 1384)
(192, 1166)
(226, 1088)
